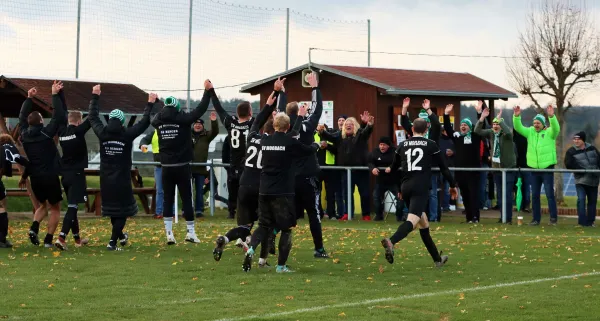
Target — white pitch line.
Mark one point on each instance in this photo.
(404, 297)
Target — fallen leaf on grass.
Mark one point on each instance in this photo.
(307, 281)
(132, 259)
(243, 283)
(587, 286)
(342, 314)
(280, 304)
(56, 254)
(381, 269)
(195, 278)
(50, 286)
(505, 297)
(554, 285)
(461, 296)
(174, 263)
(22, 305)
(289, 297)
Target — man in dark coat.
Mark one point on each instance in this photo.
(115, 165)
(201, 139)
(382, 157)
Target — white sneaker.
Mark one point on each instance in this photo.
(452, 208)
(171, 238)
(248, 239)
(241, 244)
(192, 238)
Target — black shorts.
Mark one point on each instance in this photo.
(247, 209)
(276, 211)
(75, 186)
(2, 191)
(416, 199)
(47, 188)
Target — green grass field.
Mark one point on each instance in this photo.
(150, 281)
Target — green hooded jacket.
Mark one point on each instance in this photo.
(541, 146)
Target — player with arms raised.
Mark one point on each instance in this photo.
(416, 156)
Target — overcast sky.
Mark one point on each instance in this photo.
(145, 42)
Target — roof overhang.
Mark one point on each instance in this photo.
(386, 89)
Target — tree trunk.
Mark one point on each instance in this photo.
(560, 156)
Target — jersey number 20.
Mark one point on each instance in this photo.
(253, 152)
(413, 166)
(235, 137)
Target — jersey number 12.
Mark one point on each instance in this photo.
(413, 166)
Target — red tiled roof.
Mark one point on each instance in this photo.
(127, 97)
(419, 80)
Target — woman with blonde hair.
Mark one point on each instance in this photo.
(353, 147)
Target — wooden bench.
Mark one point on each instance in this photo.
(95, 205)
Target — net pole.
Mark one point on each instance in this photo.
(287, 39)
(78, 39)
(189, 75)
(369, 42)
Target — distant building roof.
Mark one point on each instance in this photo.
(409, 82)
(127, 97)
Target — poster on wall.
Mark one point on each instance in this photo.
(400, 136)
(326, 116)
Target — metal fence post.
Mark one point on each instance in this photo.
(212, 188)
(287, 38)
(189, 57)
(369, 42)
(504, 187)
(350, 196)
(78, 37)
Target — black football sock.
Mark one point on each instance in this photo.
(67, 222)
(403, 230)
(285, 246)
(48, 238)
(264, 248)
(3, 226)
(428, 241)
(35, 226)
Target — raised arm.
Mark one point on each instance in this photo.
(83, 127)
(214, 126)
(295, 131)
(281, 97)
(447, 125)
(517, 124)
(405, 122)
(58, 113)
(334, 138)
(94, 116)
(223, 114)
(365, 133)
(264, 114)
(554, 125)
(487, 133)
(435, 128)
(26, 109)
(317, 104)
(141, 126)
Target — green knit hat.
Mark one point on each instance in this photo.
(118, 114)
(468, 122)
(497, 120)
(540, 118)
(423, 114)
(172, 102)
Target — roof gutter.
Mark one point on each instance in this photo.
(449, 93)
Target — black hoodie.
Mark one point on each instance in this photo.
(38, 140)
(174, 128)
(380, 160)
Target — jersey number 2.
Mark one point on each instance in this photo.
(253, 152)
(413, 166)
(235, 137)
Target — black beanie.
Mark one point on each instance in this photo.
(580, 135)
(386, 140)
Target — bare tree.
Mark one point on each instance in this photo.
(558, 56)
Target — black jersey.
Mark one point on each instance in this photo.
(74, 148)
(253, 161)
(278, 152)
(10, 155)
(416, 156)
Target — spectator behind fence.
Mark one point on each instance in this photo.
(152, 140)
(524, 175)
(352, 150)
(584, 156)
(447, 148)
(383, 157)
(201, 139)
(322, 161)
(433, 132)
(467, 146)
(541, 154)
(503, 156)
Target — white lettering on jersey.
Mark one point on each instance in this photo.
(274, 148)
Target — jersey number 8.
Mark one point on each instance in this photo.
(253, 152)
(413, 166)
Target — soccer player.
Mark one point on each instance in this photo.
(44, 160)
(276, 203)
(238, 128)
(307, 191)
(248, 192)
(74, 162)
(176, 152)
(9, 154)
(115, 165)
(416, 156)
